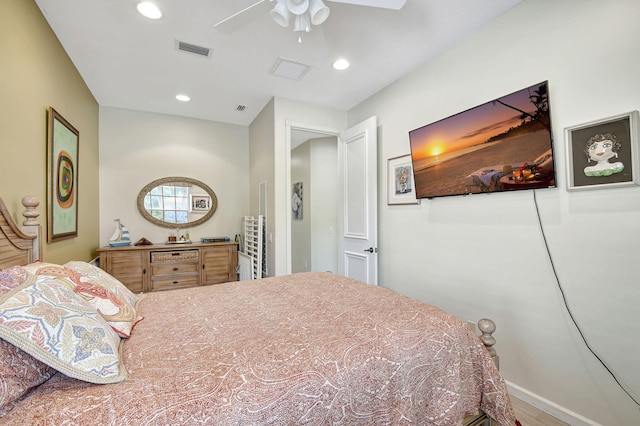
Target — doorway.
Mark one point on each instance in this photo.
(313, 180)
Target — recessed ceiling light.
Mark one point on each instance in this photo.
(149, 10)
(183, 98)
(341, 64)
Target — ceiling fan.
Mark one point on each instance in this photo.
(301, 13)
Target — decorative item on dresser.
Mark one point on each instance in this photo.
(307, 348)
(121, 236)
(158, 267)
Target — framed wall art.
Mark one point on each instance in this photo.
(401, 188)
(296, 201)
(62, 172)
(200, 203)
(603, 153)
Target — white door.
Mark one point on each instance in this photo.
(358, 215)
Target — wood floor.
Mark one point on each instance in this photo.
(531, 416)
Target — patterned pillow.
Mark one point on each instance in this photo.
(96, 277)
(12, 278)
(19, 371)
(33, 268)
(115, 305)
(49, 321)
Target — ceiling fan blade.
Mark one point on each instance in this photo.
(243, 17)
(385, 4)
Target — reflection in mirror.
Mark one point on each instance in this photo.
(177, 202)
(169, 202)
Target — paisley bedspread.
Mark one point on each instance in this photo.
(303, 349)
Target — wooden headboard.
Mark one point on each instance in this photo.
(19, 245)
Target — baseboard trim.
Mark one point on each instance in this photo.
(549, 407)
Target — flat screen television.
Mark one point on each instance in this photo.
(502, 145)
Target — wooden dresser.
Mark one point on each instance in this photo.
(171, 266)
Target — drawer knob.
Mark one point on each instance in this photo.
(175, 282)
(175, 269)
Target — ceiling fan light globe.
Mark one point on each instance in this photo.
(384, 4)
(281, 14)
(297, 7)
(318, 12)
(302, 23)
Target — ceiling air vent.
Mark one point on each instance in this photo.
(289, 69)
(193, 48)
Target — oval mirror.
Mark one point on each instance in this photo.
(177, 202)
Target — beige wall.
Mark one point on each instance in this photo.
(37, 74)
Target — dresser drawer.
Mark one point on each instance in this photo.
(167, 282)
(174, 268)
(175, 256)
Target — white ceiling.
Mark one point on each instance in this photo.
(128, 61)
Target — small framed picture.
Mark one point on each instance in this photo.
(401, 187)
(296, 201)
(200, 203)
(603, 153)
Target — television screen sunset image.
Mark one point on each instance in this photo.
(504, 144)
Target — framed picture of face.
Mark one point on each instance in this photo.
(603, 153)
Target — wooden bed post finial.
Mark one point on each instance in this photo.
(488, 327)
(31, 224)
(31, 214)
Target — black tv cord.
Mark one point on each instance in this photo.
(566, 304)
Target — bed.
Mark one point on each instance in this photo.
(309, 349)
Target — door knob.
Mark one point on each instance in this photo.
(372, 250)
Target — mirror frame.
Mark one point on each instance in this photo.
(143, 193)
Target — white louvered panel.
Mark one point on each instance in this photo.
(253, 233)
(244, 266)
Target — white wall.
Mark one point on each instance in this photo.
(484, 255)
(323, 200)
(301, 228)
(139, 147)
(261, 134)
